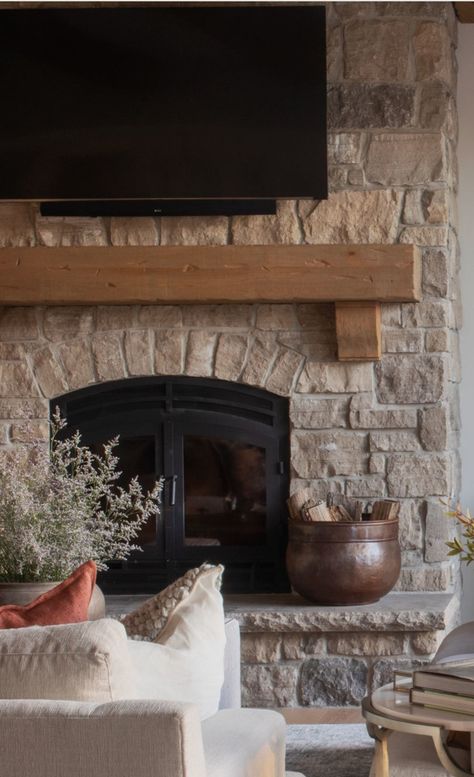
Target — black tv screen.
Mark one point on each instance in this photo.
(162, 102)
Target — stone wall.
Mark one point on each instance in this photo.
(358, 430)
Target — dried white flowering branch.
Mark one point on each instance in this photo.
(63, 506)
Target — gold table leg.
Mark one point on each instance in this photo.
(380, 766)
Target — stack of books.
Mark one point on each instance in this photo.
(447, 687)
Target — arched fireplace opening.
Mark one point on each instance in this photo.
(223, 449)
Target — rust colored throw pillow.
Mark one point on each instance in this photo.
(67, 602)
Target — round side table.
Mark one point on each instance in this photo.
(387, 710)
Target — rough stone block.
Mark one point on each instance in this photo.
(437, 340)
(412, 474)
(28, 432)
(376, 50)
(64, 323)
(272, 317)
(24, 409)
(194, 230)
(366, 487)
(230, 356)
(337, 178)
(371, 106)
(18, 324)
(320, 454)
(410, 525)
(366, 644)
(333, 682)
(315, 413)
(427, 313)
(425, 643)
(355, 176)
(393, 441)
(425, 578)
(160, 316)
(261, 230)
(410, 379)
(383, 670)
(434, 428)
(391, 314)
(115, 317)
(11, 352)
(169, 352)
(319, 316)
(363, 416)
(71, 231)
(263, 350)
(219, 316)
(412, 209)
(354, 217)
(425, 236)
(402, 341)
(16, 380)
(200, 354)
(137, 349)
(136, 231)
(334, 53)
(16, 225)
(344, 148)
(432, 47)
(403, 159)
(435, 206)
(439, 528)
(76, 358)
(284, 372)
(319, 488)
(48, 373)
(107, 354)
(436, 108)
(377, 464)
(335, 377)
(260, 648)
(270, 685)
(436, 272)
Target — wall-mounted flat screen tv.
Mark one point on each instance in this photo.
(187, 102)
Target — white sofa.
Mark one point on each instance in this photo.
(41, 738)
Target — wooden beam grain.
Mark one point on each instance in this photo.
(358, 331)
(208, 274)
(465, 12)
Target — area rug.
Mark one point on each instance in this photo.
(323, 750)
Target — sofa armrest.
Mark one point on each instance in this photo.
(457, 645)
(41, 738)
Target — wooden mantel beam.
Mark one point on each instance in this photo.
(356, 277)
(208, 274)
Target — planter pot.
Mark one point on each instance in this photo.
(24, 593)
(343, 563)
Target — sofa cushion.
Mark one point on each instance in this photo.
(186, 660)
(67, 602)
(245, 743)
(79, 662)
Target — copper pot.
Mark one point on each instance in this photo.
(343, 563)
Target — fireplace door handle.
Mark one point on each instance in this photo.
(172, 491)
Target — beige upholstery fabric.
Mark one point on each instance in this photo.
(245, 743)
(119, 739)
(79, 661)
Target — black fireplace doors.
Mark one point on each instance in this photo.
(223, 451)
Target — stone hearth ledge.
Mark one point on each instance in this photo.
(282, 613)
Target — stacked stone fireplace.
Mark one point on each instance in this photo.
(358, 430)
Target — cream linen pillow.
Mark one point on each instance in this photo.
(185, 661)
(79, 661)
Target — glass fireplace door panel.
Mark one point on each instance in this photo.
(225, 495)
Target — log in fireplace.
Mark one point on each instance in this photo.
(223, 450)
